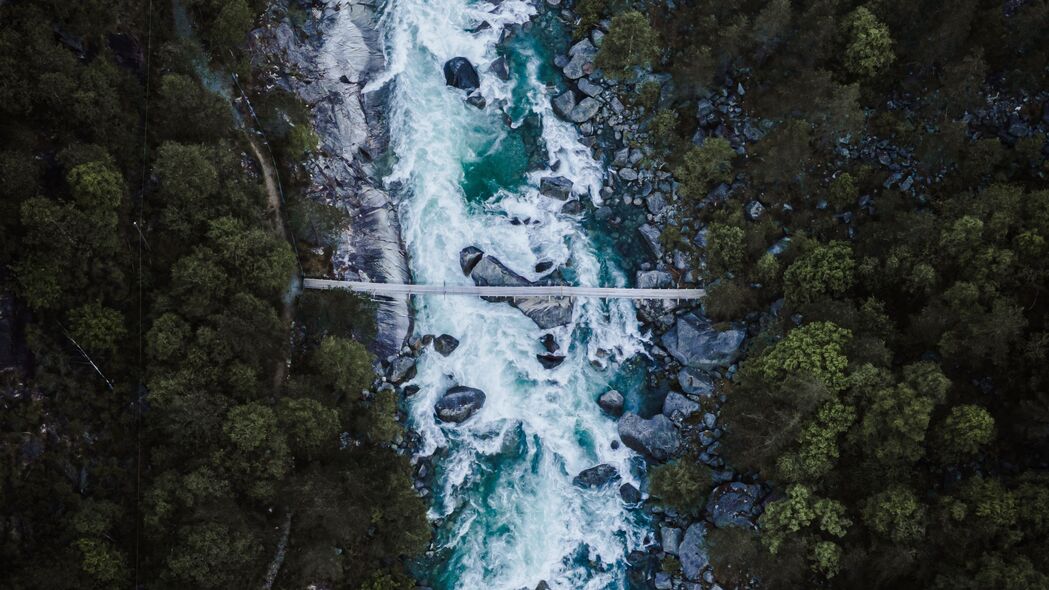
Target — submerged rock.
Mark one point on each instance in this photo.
(445, 344)
(694, 343)
(596, 476)
(556, 187)
(656, 438)
(550, 361)
(734, 504)
(459, 403)
(460, 73)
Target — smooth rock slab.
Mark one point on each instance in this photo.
(582, 60)
(596, 476)
(695, 382)
(459, 403)
(692, 553)
(679, 407)
(656, 438)
(694, 343)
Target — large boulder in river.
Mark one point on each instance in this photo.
(692, 551)
(445, 344)
(468, 259)
(596, 476)
(656, 438)
(459, 403)
(734, 504)
(546, 312)
(556, 187)
(695, 343)
(460, 73)
(611, 402)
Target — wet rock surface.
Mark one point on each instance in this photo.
(459, 403)
(597, 476)
(656, 438)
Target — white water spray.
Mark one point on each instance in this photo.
(509, 514)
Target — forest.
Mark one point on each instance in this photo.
(162, 424)
(878, 206)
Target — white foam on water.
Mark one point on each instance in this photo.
(509, 513)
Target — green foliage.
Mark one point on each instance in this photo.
(724, 249)
(727, 300)
(211, 555)
(843, 191)
(896, 514)
(681, 485)
(97, 328)
(703, 166)
(630, 43)
(800, 510)
(869, 50)
(966, 431)
(344, 365)
(814, 352)
(826, 270)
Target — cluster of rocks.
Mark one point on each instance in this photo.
(291, 56)
(685, 345)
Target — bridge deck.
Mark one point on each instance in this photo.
(531, 291)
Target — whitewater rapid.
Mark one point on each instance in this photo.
(505, 510)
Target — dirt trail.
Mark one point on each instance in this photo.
(274, 202)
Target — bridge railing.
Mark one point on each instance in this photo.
(490, 291)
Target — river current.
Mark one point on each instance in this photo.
(506, 512)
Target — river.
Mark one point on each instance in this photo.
(506, 512)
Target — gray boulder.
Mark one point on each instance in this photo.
(695, 382)
(629, 493)
(678, 407)
(734, 504)
(460, 73)
(584, 110)
(556, 187)
(468, 259)
(611, 402)
(589, 88)
(656, 438)
(401, 369)
(692, 553)
(694, 343)
(445, 344)
(499, 68)
(650, 237)
(459, 403)
(654, 279)
(582, 56)
(597, 476)
(670, 539)
(563, 104)
(546, 312)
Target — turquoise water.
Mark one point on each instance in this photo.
(505, 512)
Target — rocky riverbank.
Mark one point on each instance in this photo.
(326, 61)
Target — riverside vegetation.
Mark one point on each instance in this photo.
(873, 206)
(143, 441)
